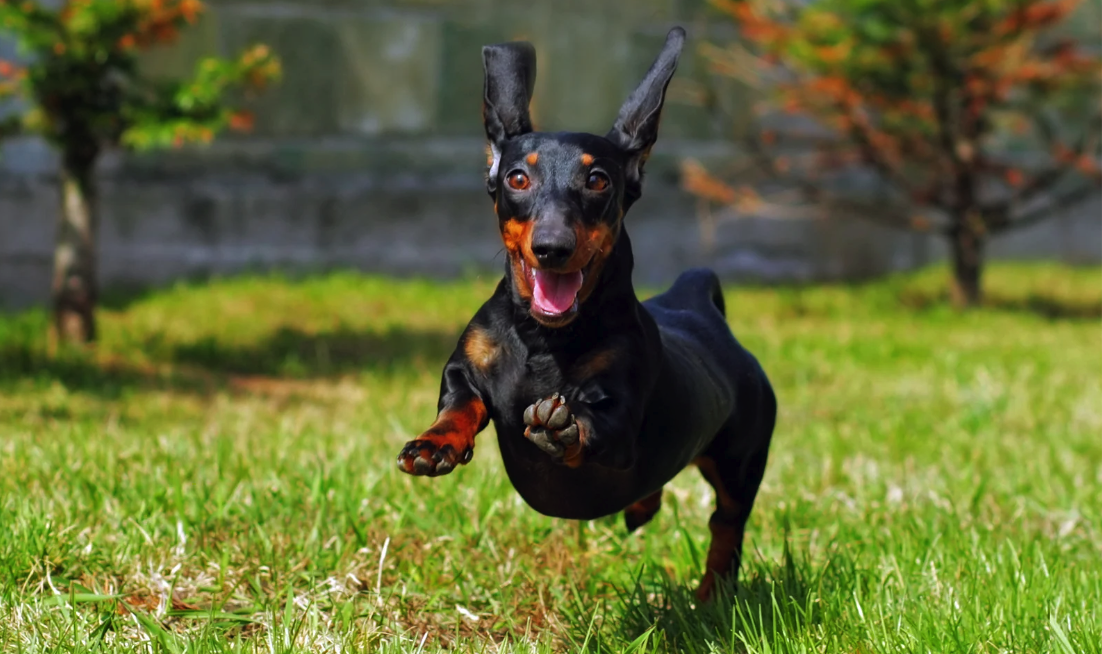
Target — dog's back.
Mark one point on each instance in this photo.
(708, 383)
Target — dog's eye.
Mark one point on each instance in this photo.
(517, 181)
(597, 182)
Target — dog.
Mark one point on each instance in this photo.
(598, 399)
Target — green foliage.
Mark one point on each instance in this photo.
(84, 86)
(220, 476)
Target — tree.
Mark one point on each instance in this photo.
(85, 93)
(972, 115)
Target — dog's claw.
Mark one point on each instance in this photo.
(551, 426)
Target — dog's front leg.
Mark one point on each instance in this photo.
(599, 420)
(449, 441)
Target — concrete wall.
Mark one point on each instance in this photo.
(370, 155)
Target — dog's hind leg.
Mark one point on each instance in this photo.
(736, 486)
(640, 513)
(734, 465)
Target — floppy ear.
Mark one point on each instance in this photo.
(510, 78)
(636, 128)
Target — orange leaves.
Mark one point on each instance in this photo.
(261, 66)
(833, 54)
(837, 88)
(920, 223)
(187, 133)
(10, 76)
(1033, 16)
(752, 24)
(697, 180)
(1088, 165)
(921, 94)
(242, 121)
(160, 21)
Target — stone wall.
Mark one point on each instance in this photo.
(370, 155)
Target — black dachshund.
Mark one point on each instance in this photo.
(598, 400)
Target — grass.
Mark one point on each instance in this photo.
(219, 476)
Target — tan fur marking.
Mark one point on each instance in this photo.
(587, 159)
(480, 348)
(707, 468)
(594, 364)
(573, 456)
(517, 236)
(720, 561)
(532, 158)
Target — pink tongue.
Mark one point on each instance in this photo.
(554, 293)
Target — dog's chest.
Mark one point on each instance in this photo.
(525, 379)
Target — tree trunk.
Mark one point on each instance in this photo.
(75, 287)
(967, 251)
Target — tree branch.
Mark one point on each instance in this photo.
(996, 215)
(871, 210)
(1061, 203)
(862, 133)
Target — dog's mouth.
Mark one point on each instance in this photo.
(554, 294)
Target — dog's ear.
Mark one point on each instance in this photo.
(510, 70)
(636, 127)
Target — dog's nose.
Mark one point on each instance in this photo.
(553, 246)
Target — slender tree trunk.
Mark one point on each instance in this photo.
(75, 289)
(967, 245)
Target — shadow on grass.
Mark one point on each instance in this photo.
(1041, 305)
(210, 365)
(771, 604)
(295, 353)
(79, 371)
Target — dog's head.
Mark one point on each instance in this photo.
(560, 198)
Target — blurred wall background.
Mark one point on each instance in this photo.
(370, 155)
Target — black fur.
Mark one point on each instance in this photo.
(649, 387)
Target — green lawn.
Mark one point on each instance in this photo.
(223, 468)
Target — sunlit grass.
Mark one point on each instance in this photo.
(220, 476)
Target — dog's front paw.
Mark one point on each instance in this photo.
(430, 458)
(554, 429)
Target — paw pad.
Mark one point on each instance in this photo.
(426, 458)
(551, 425)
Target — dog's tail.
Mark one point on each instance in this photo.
(694, 287)
(717, 294)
